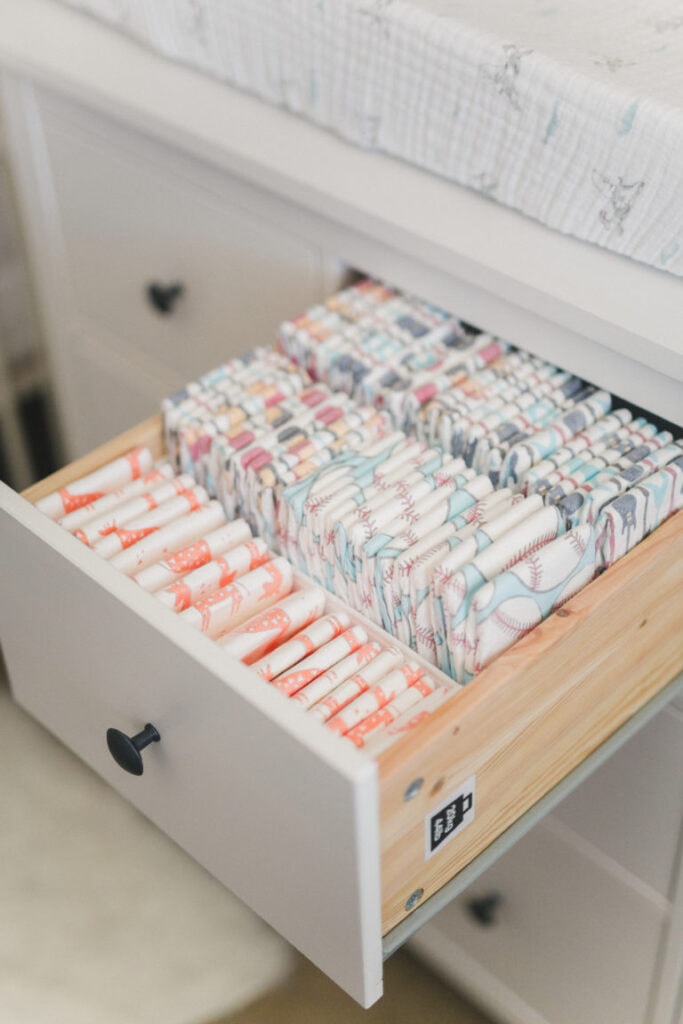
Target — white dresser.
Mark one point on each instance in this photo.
(172, 223)
(152, 263)
(581, 920)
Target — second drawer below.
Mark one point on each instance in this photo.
(631, 808)
(562, 941)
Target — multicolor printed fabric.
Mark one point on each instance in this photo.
(227, 584)
(475, 491)
(501, 410)
(510, 605)
(268, 630)
(532, 534)
(257, 424)
(178, 564)
(90, 488)
(626, 520)
(200, 583)
(392, 548)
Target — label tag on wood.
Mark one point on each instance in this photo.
(451, 816)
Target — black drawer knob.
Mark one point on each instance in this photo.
(484, 909)
(163, 297)
(126, 749)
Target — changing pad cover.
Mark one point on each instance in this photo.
(570, 111)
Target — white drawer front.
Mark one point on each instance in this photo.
(129, 219)
(109, 391)
(631, 809)
(283, 817)
(569, 942)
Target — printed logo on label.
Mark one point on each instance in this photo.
(450, 817)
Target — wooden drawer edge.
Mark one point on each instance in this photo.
(534, 714)
(150, 433)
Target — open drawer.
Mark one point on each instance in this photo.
(333, 849)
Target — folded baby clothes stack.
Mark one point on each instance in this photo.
(412, 531)
(222, 581)
(450, 488)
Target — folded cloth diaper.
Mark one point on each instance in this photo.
(510, 605)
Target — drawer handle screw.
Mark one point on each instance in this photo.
(164, 297)
(126, 749)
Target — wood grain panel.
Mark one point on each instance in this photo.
(534, 714)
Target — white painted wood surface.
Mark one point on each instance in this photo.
(668, 995)
(251, 788)
(132, 213)
(562, 949)
(108, 212)
(632, 808)
(602, 316)
(614, 321)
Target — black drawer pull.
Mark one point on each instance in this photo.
(126, 749)
(484, 909)
(164, 297)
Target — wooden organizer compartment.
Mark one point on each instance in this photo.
(535, 713)
(150, 434)
(518, 729)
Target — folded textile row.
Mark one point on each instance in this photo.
(451, 489)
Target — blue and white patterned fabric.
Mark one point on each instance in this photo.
(514, 602)
(567, 110)
(627, 519)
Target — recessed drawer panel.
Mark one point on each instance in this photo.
(111, 391)
(164, 253)
(547, 935)
(331, 848)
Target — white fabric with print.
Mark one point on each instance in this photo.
(567, 110)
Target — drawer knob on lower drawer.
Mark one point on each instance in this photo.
(126, 750)
(163, 297)
(484, 909)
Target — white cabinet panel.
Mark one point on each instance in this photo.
(129, 222)
(631, 808)
(251, 788)
(110, 391)
(569, 943)
(110, 213)
(678, 703)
